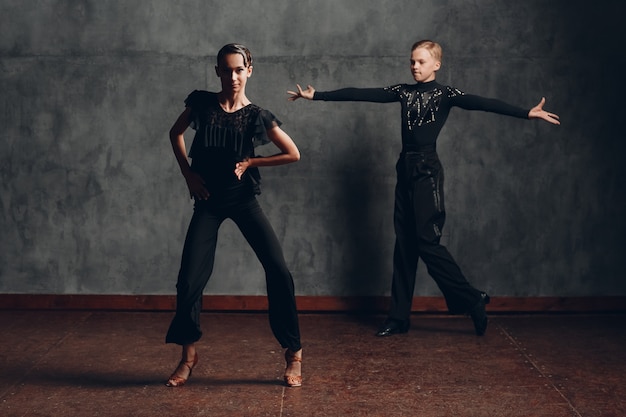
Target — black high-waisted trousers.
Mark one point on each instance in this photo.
(197, 265)
(419, 216)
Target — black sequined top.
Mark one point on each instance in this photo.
(425, 107)
(222, 139)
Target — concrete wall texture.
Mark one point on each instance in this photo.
(92, 202)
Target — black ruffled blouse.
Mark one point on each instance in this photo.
(222, 139)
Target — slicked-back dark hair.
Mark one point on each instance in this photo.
(235, 48)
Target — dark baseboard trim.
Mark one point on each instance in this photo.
(312, 304)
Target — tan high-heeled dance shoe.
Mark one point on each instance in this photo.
(178, 381)
(292, 380)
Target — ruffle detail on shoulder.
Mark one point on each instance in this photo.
(192, 98)
(264, 122)
(198, 101)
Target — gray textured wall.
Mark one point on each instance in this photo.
(92, 202)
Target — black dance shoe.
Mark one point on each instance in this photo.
(393, 326)
(479, 315)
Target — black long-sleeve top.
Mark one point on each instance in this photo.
(425, 107)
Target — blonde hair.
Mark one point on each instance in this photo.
(433, 47)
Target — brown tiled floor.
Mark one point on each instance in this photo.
(57, 363)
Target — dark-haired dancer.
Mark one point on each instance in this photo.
(223, 179)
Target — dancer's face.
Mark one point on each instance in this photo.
(423, 65)
(233, 73)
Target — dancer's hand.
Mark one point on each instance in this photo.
(538, 112)
(308, 93)
(240, 168)
(195, 183)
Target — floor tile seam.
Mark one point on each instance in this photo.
(282, 402)
(18, 381)
(536, 366)
(463, 386)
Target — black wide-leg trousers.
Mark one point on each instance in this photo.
(197, 265)
(419, 216)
